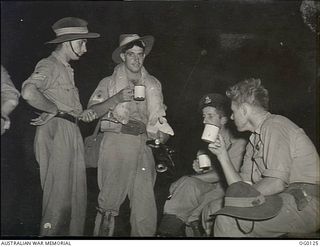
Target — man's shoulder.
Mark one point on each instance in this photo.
(278, 121)
(49, 61)
(278, 125)
(151, 78)
(106, 80)
(153, 81)
(45, 68)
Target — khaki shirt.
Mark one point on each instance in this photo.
(8, 90)
(54, 78)
(137, 109)
(280, 149)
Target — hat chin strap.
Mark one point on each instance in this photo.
(242, 230)
(78, 55)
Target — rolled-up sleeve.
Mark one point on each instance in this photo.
(100, 94)
(42, 76)
(276, 151)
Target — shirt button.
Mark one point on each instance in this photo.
(143, 169)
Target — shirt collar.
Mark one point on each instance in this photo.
(258, 129)
(253, 137)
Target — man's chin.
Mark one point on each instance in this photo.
(135, 70)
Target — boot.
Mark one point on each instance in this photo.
(195, 226)
(171, 226)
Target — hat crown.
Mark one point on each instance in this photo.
(212, 99)
(69, 22)
(127, 38)
(242, 190)
(243, 201)
(71, 28)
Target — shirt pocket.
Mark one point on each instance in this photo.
(62, 92)
(67, 88)
(67, 92)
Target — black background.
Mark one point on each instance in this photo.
(270, 41)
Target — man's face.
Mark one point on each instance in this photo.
(210, 115)
(79, 47)
(239, 116)
(133, 59)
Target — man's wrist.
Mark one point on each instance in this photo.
(223, 157)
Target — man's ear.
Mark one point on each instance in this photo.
(223, 120)
(65, 45)
(245, 108)
(122, 57)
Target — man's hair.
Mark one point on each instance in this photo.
(224, 109)
(249, 91)
(132, 44)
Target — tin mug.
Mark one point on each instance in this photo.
(204, 161)
(210, 133)
(139, 92)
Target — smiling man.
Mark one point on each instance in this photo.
(126, 165)
(58, 145)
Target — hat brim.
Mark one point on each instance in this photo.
(148, 40)
(267, 210)
(70, 37)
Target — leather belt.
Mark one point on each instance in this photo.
(68, 117)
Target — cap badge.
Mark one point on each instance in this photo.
(207, 100)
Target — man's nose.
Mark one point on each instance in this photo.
(136, 58)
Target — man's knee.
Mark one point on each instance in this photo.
(181, 183)
(189, 182)
(222, 225)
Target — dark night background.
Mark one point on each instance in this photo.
(200, 47)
